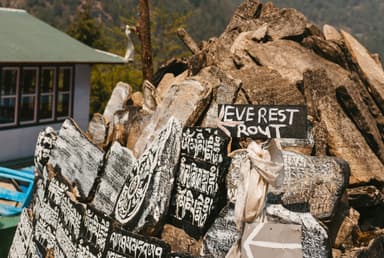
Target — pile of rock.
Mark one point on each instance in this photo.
(144, 181)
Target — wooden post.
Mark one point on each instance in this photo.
(144, 32)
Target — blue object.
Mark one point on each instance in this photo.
(25, 178)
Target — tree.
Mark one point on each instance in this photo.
(85, 28)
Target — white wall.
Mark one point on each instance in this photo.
(82, 95)
(20, 142)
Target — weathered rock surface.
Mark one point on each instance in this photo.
(312, 184)
(331, 33)
(119, 98)
(97, 129)
(348, 226)
(180, 241)
(144, 199)
(314, 239)
(76, 157)
(225, 90)
(347, 142)
(184, 101)
(222, 234)
(369, 70)
(119, 163)
(365, 196)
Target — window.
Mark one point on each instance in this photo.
(32, 95)
(64, 92)
(8, 95)
(47, 94)
(28, 96)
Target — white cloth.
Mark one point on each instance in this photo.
(263, 167)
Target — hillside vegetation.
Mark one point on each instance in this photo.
(102, 22)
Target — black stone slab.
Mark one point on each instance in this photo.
(122, 243)
(200, 190)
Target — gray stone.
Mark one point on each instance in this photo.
(315, 240)
(120, 95)
(120, 126)
(119, 163)
(313, 184)
(76, 158)
(184, 101)
(97, 129)
(145, 197)
(46, 141)
(222, 234)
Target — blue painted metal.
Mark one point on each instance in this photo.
(25, 178)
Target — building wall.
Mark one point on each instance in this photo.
(82, 95)
(20, 142)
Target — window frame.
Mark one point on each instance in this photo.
(37, 95)
(15, 96)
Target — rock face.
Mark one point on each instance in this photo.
(76, 157)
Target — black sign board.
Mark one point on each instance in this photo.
(122, 243)
(200, 180)
(264, 121)
(96, 227)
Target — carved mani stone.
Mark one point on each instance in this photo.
(314, 183)
(200, 182)
(315, 240)
(95, 230)
(223, 233)
(119, 163)
(122, 243)
(68, 227)
(23, 236)
(144, 199)
(76, 157)
(46, 141)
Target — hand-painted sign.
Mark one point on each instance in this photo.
(200, 179)
(263, 121)
(271, 240)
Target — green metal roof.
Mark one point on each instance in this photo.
(26, 39)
